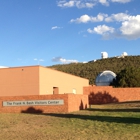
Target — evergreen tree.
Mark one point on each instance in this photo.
(128, 77)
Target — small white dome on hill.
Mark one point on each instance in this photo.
(124, 54)
(104, 55)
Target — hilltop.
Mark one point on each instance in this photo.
(91, 69)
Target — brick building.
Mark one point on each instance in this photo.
(41, 89)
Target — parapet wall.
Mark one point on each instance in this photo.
(108, 94)
(63, 103)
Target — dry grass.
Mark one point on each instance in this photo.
(101, 122)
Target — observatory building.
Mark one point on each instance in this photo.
(104, 55)
(105, 78)
(124, 54)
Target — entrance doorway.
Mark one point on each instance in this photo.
(55, 90)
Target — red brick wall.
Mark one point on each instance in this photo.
(78, 102)
(68, 106)
(108, 94)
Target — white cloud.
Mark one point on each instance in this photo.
(117, 17)
(101, 17)
(41, 60)
(55, 27)
(62, 60)
(131, 27)
(104, 2)
(121, 1)
(80, 4)
(101, 29)
(38, 60)
(63, 3)
(76, 3)
(85, 18)
(87, 3)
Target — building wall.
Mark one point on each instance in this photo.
(77, 102)
(19, 81)
(37, 80)
(65, 83)
(108, 94)
(72, 103)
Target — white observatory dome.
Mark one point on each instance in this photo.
(124, 54)
(105, 78)
(104, 55)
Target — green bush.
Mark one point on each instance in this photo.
(91, 69)
(128, 77)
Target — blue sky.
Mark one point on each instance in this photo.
(49, 32)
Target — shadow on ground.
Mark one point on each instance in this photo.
(115, 119)
(32, 110)
(115, 110)
(129, 120)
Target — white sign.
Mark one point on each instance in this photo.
(33, 102)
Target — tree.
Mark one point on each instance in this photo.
(91, 69)
(128, 77)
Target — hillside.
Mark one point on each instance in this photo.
(91, 69)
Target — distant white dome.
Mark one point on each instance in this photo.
(124, 54)
(104, 55)
(105, 78)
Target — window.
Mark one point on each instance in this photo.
(74, 91)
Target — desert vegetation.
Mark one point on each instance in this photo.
(91, 69)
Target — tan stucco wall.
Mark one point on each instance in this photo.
(38, 80)
(50, 78)
(19, 81)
